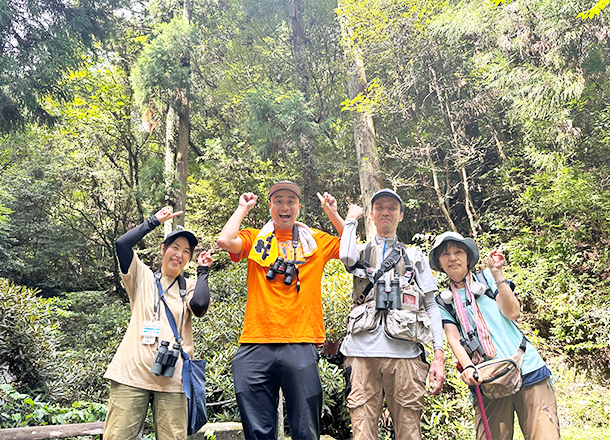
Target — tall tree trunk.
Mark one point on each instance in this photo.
(369, 170)
(177, 136)
(470, 211)
(460, 160)
(187, 10)
(299, 47)
(170, 164)
(184, 131)
(499, 144)
(182, 154)
(308, 151)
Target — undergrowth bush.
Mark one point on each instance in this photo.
(20, 409)
(57, 351)
(29, 338)
(92, 326)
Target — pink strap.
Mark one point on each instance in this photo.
(481, 326)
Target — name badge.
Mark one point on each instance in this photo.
(150, 331)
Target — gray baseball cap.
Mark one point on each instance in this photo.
(181, 232)
(386, 192)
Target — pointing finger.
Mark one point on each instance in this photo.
(323, 199)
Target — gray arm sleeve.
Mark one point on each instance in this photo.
(348, 250)
(435, 316)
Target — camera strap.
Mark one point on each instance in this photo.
(172, 324)
(389, 263)
(295, 246)
(168, 312)
(480, 326)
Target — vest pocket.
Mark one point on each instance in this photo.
(362, 318)
(409, 325)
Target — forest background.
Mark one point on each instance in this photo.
(489, 118)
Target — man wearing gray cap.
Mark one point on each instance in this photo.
(283, 320)
(393, 314)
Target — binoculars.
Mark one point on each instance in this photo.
(388, 297)
(473, 345)
(165, 361)
(286, 268)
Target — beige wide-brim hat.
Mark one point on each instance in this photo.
(453, 236)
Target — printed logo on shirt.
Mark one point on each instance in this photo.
(287, 251)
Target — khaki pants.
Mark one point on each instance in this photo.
(536, 409)
(127, 409)
(403, 382)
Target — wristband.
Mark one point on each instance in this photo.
(501, 281)
(470, 366)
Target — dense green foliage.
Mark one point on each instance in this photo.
(491, 116)
(29, 337)
(39, 41)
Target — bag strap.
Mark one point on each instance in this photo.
(366, 262)
(172, 324)
(169, 314)
(451, 310)
(182, 286)
(409, 272)
(480, 277)
(448, 307)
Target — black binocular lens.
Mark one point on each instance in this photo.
(286, 268)
(165, 361)
(289, 274)
(472, 344)
(276, 267)
(388, 299)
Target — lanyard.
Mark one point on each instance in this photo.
(160, 293)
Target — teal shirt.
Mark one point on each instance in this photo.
(505, 336)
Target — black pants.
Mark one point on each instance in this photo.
(259, 370)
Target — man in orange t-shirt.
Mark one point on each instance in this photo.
(283, 321)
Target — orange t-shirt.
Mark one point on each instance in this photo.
(275, 312)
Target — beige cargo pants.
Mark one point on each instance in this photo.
(402, 381)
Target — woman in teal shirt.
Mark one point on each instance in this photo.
(493, 318)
